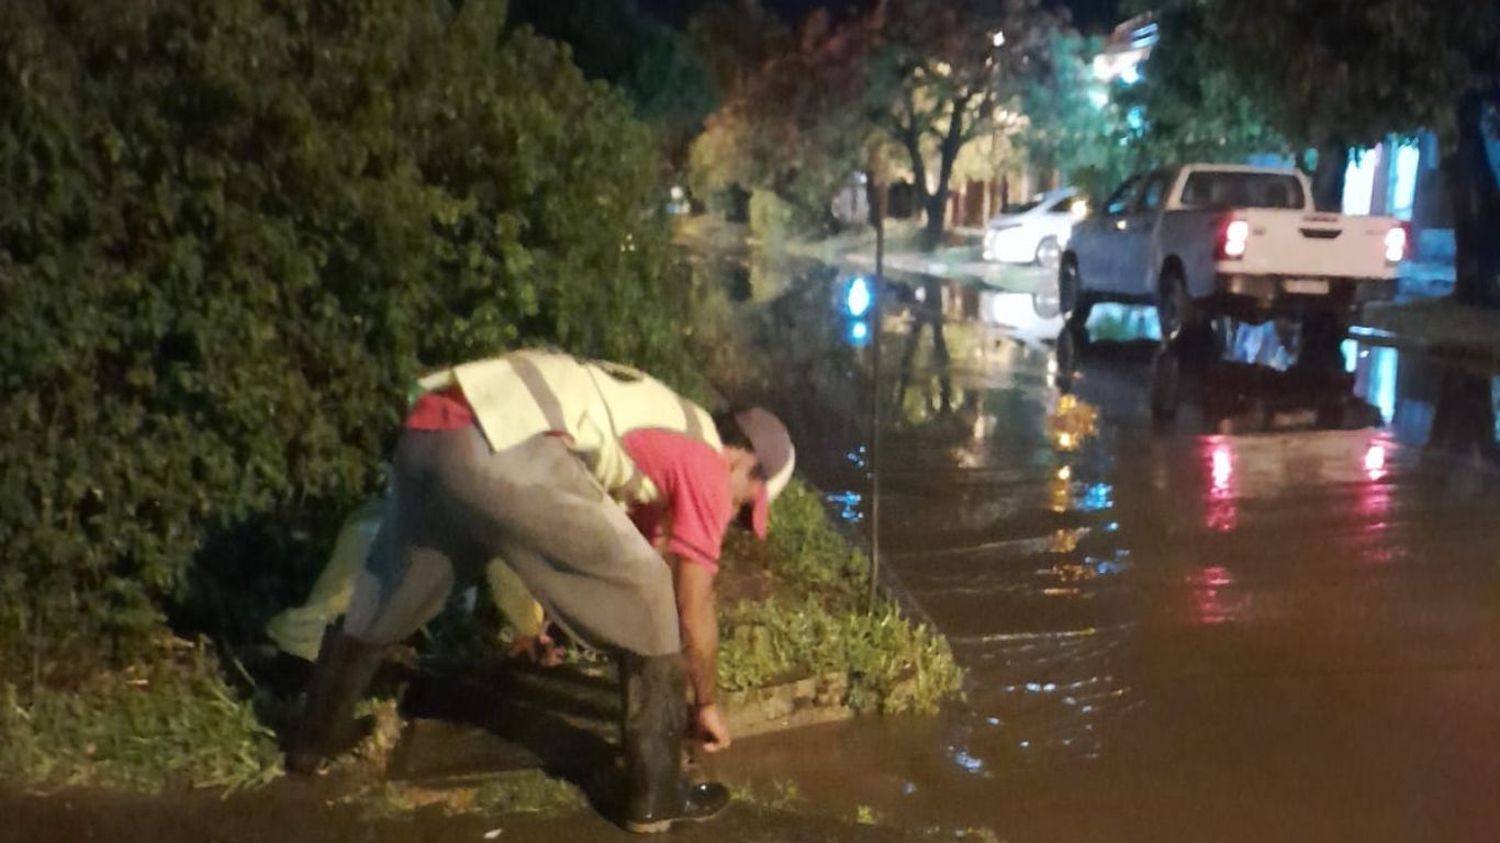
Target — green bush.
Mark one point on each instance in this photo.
(230, 234)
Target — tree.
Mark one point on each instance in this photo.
(737, 38)
(1071, 126)
(795, 126)
(941, 72)
(658, 67)
(1188, 106)
(1349, 72)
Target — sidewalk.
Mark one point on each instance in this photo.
(1440, 326)
(959, 261)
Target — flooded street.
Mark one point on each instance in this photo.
(1243, 594)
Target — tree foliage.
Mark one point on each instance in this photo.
(939, 78)
(231, 232)
(657, 67)
(796, 126)
(1191, 107)
(1067, 129)
(736, 38)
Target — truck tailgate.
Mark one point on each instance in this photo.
(1298, 244)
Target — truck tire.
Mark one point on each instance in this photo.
(1178, 314)
(1074, 304)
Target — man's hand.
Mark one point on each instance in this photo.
(710, 727)
(539, 650)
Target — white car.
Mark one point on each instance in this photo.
(1036, 232)
(1208, 240)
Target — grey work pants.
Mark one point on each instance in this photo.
(457, 504)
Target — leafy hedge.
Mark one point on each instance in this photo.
(231, 231)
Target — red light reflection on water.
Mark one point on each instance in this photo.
(1375, 460)
(1375, 496)
(1222, 514)
(1223, 467)
(1213, 602)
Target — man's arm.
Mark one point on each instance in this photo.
(700, 644)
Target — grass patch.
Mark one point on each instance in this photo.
(817, 621)
(894, 665)
(169, 721)
(809, 553)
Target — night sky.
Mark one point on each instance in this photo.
(1088, 15)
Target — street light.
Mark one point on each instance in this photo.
(859, 298)
(998, 40)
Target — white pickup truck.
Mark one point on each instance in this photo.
(1208, 240)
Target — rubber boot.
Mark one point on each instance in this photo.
(655, 713)
(345, 668)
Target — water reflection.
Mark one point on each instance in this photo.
(1055, 504)
(1463, 422)
(1222, 513)
(1215, 598)
(1230, 396)
(1271, 378)
(848, 506)
(925, 306)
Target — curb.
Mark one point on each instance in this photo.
(1484, 359)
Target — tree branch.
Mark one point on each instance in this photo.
(973, 130)
(918, 166)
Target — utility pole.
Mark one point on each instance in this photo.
(877, 321)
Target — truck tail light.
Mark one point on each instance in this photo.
(1395, 245)
(1234, 240)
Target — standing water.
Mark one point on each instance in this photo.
(1244, 594)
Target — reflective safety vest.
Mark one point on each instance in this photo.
(593, 403)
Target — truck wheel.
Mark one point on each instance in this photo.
(1175, 309)
(1048, 253)
(1072, 301)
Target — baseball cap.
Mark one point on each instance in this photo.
(774, 452)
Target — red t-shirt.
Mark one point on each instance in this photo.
(444, 409)
(694, 509)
